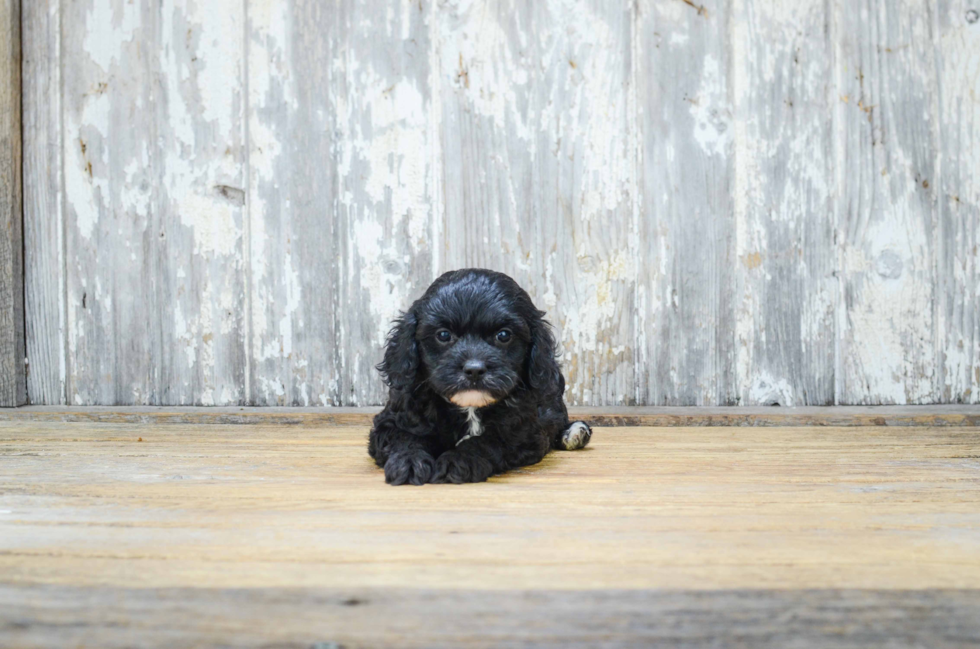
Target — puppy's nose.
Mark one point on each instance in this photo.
(474, 369)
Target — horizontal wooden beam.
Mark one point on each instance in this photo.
(946, 415)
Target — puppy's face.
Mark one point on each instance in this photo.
(473, 339)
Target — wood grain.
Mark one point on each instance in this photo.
(958, 243)
(341, 193)
(295, 250)
(305, 618)
(876, 524)
(154, 209)
(389, 148)
(686, 268)
(44, 224)
(782, 67)
(712, 508)
(538, 167)
(13, 390)
(659, 416)
(717, 203)
(887, 151)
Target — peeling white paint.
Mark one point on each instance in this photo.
(479, 59)
(553, 129)
(768, 390)
(893, 313)
(294, 296)
(109, 26)
(597, 308)
(395, 151)
(712, 123)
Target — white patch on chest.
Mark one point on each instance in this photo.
(475, 427)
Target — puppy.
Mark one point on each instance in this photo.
(474, 385)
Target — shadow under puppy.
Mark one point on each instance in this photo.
(474, 385)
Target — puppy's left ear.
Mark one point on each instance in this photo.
(543, 371)
(401, 362)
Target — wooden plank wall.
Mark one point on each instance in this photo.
(717, 201)
(13, 371)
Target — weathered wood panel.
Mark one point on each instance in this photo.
(539, 170)
(751, 202)
(388, 157)
(887, 151)
(153, 176)
(782, 69)
(686, 265)
(350, 618)
(13, 385)
(44, 224)
(958, 243)
(295, 252)
(341, 192)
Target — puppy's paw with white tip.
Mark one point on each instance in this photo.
(576, 436)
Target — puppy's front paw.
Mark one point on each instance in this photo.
(576, 436)
(456, 467)
(412, 467)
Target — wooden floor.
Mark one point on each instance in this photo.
(196, 535)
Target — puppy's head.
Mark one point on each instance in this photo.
(473, 338)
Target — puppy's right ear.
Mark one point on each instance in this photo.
(401, 362)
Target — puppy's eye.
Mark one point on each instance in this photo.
(504, 336)
(444, 336)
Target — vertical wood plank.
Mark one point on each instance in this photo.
(786, 259)
(341, 221)
(886, 153)
(294, 248)
(386, 184)
(959, 200)
(44, 271)
(154, 177)
(202, 63)
(13, 384)
(539, 170)
(686, 279)
(108, 79)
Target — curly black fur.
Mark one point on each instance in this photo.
(450, 343)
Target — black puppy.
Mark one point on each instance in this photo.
(474, 385)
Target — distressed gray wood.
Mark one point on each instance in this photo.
(295, 259)
(686, 264)
(388, 152)
(44, 261)
(12, 369)
(341, 193)
(154, 177)
(782, 67)
(539, 170)
(887, 149)
(753, 202)
(958, 244)
(109, 617)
